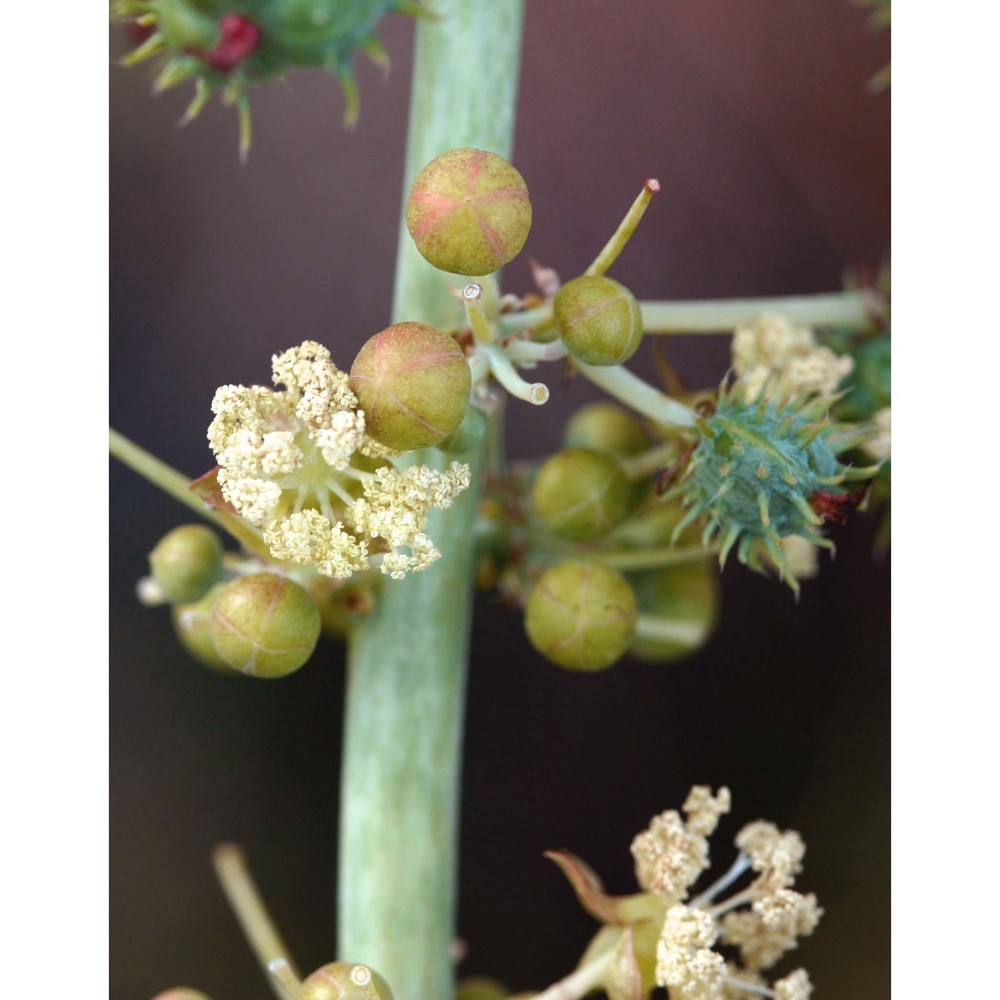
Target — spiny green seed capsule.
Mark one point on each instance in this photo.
(413, 383)
(186, 562)
(581, 495)
(581, 615)
(764, 470)
(679, 606)
(606, 427)
(599, 319)
(193, 626)
(265, 625)
(468, 212)
(344, 981)
(228, 46)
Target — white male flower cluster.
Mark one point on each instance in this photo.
(771, 351)
(879, 446)
(297, 464)
(671, 853)
(763, 921)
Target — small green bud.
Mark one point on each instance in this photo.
(413, 383)
(581, 495)
(680, 608)
(606, 427)
(181, 993)
(468, 212)
(480, 988)
(340, 603)
(344, 981)
(599, 319)
(581, 615)
(265, 625)
(186, 562)
(193, 626)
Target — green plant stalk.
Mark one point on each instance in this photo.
(850, 309)
(407, 661)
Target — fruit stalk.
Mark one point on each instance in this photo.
(407, 661)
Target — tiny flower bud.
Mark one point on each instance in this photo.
(186, 562)
(606, 427)
(600, 320)
(468, 212)
(581, 495)
(265, 625)
(581, 615)
(679, 608)
(413, 383)
(344, 981)
(193, 626)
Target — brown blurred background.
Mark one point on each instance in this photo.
(774, 164)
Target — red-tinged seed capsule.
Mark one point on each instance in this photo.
(344, 981)
(265, 625)
(468, 212)
(186, 562)
(413, 383)
(581, 495)
(599, 319)
(581, 615)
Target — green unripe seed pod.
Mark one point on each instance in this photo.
(193, 626)
(581, 615)
(344, 981)
(181, 993)
(581, 495)
(468, 212)
(265, 625)
(186, 562)
(413, 382)
(480, 988)
(606, 427)
(680, 608)
(599, 319)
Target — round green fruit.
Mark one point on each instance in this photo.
(344, 981)
(265, 625)
(606, 427)
(680, 608)
(468, 212)
(193, 627)
(599, 319)
(413, 383)
(581, 495)
(186, 562)
(581, 615)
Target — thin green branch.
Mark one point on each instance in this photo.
(244, 897)
(177, 485)
(848, 309)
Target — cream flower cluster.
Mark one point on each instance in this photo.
(297, 464)
(763, 920)
(771, 351)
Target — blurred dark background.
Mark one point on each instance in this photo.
(774, 163)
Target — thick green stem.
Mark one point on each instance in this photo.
(407, 661)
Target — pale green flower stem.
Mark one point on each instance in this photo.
(850, 309)
(407, 661)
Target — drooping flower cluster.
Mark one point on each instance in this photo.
(297, 464)
(701, 948)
